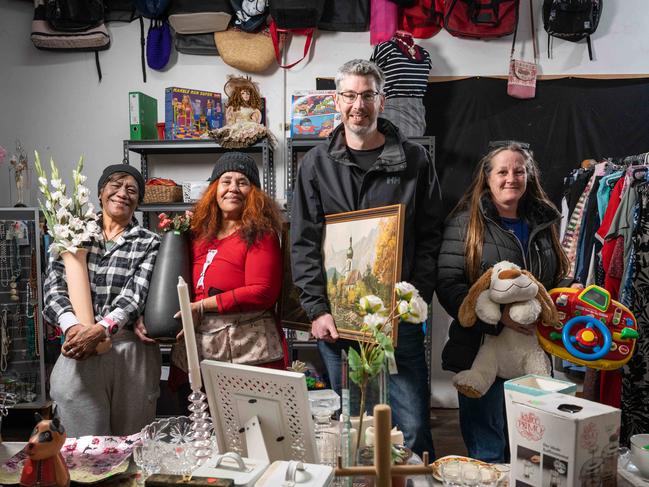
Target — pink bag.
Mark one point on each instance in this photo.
(384, 17)
(521, 82)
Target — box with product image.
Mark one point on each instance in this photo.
(313, 113)
(558, 440)
(191, 114)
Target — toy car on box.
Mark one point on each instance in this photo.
(593, 330)
(191, 114)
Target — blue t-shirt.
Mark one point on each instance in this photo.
(519, 227)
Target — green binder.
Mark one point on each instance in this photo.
(143, 116)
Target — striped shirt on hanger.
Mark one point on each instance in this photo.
(404, 77)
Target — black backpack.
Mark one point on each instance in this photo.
(74, 15)
(571, 20)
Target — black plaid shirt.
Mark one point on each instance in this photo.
(119, 280)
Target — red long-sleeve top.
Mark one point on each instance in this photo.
(240, 278)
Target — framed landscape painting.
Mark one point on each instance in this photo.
(362, 255)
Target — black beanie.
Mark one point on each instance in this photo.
(239, 162)
(125, 168)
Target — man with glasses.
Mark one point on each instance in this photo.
(368, 163)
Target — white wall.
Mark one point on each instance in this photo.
(53, 102)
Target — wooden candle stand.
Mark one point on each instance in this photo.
(383, 469)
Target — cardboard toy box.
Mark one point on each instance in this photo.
(313, 114)
(190, 114)
(557, 440)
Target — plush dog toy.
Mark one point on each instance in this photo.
(511, 353)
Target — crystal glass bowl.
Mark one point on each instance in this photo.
(172, 439)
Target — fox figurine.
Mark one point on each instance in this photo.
(45, 466)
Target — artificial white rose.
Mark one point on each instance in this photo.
(418, 310)
(371, 304)
(374, 320)
(403, 308)
(405, 290)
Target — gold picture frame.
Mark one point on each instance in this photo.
(362, 252)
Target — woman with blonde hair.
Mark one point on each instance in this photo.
(504, 215)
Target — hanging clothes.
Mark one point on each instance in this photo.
(635, 381)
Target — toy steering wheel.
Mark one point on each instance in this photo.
(598, 351)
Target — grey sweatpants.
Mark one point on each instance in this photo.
(110, 394)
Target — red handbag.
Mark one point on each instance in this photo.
(481, 19)
(276, 32)
(521, 82)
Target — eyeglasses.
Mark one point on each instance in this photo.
(366, 96)
(497, 144)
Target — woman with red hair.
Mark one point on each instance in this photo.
(236, 270)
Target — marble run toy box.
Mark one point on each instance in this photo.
(313, 114)
(191, 114)
(558, 440)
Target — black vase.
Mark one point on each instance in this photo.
(162, 302)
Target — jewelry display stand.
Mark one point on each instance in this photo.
(22, 366)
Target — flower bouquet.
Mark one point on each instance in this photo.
(370, 359)
(172, 261)
(72, 223)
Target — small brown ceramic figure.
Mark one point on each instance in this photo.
(45, 466)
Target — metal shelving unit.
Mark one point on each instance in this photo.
(147, 148)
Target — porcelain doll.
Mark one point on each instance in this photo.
(242, 115)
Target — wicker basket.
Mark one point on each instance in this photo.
(155, 193)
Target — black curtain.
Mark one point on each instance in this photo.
(569, 120)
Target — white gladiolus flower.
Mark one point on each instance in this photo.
(82, 178)
(374, 320)
(83, 199)
(371, 304)
(62, 213)
(405, 290)
(42, 181)
(83, 191)
(60, 231)
(65, 202)
(48, 205)
(56, 183)
(92, 228)
(77, 241)
(56, 196)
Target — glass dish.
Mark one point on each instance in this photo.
(172, 438)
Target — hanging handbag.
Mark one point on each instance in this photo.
(245, 338)
(521, 82)
(247, 51)
(278, 35)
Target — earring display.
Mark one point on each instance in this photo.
(22, 368)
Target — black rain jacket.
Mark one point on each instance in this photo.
(499, 244)
(328, 182)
